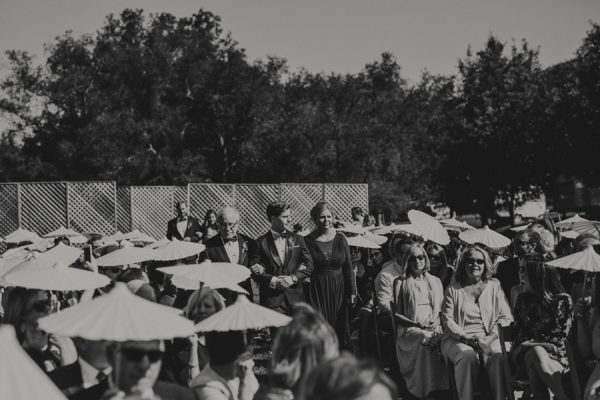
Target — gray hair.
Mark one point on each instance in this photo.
(228, 210)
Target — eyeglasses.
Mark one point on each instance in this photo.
(528, 244)
(435, 258)
(41, 305)
(136, 355)
(478, 261)
(112, 270)
(420, 257)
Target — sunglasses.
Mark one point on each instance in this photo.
(112, 270)
(528, 244)
(41, 305)
(136, 355)
(435, 258)
(420, 257)
(478, 261)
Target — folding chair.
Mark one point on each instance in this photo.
(506, 335)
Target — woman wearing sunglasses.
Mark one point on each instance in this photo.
(473, 307)
(418, 304)
(22, 309)
(439, 263)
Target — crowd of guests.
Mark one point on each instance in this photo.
(442, 306)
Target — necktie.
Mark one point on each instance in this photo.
(231, 240)
(101, 377)
(277, 235)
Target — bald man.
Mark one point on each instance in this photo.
(230, 246)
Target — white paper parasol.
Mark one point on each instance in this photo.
(378, 239)
(486, 237)
(136, 236)
(362, 242)
(158, 244)
(240, 316)
(579, 224)
(55, 277)
(109, 239)
(569, 234)
(20, 377)
(177, 250)
(430, 228)
(214, 275)
(118, 316)
(453, 223)
(585, 260)
(520, 228)
(73, 236)
(383, 229)
(182, 282)
(124, 256)
(21, 235)
(349, 227)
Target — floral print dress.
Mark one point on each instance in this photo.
(544, 321)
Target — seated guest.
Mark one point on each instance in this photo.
(91, 368)
(419, 301)
(136, 365)
(346, 378)
(543, 317)
(439, 263)
(228, 375)
(473, 306)
(22, 309)
(390, 271)
(588, 336)
(299, 347)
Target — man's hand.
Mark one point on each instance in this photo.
(281, 283)
(289, 281)
(257, 269)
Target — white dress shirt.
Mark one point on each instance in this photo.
(280, 245)
(181, 227)
(89, 374)
(232, 248)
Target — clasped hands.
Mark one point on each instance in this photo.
(281, 282)
(479, 344)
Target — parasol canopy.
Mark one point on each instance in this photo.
(73, 236)
(158, 244)
(579, 224)
(177, 250)
(429, 227)
(240, 316)
(585, 260)
(118, 316)
(181, 282)
(569, 234)
(453, 223)
(136, 236)
(124, 256)
(363, 242)
(21, 235)
(378, 239)
(520, 228)
(349, 227)
(486, 237)
(55, 277)
(215, 275)
(383, 229)
(20, 377)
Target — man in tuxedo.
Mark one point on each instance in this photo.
(91, 368)
(184, 227)
(139, 364)
(280, 262)
(229, 246)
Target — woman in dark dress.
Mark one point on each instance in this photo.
(332, 282)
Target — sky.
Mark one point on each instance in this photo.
(339, 36)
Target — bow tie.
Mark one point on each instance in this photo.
(277, 235)
(231, 240)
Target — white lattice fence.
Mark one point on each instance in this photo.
(209, 196)
(43, 206)
(91, 207)
(252, 201)
(342, 197)
(151, 209)
(123, 209)
(9, 208)
(301, 198)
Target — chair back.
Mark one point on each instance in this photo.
(506, 335)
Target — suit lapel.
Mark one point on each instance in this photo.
(273, 249)
(221, 250)
(242, 246)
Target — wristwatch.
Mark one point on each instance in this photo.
(294, 279)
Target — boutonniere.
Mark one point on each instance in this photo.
(291, 243)
(244, 247)
(189, 225)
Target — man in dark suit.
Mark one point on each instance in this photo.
(91, 368)
(229, 246)
(139, 366)
(281, 261)
(184, 227)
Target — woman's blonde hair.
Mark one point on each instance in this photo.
(411, 252)
(189, 311)
(300, 346)
(461, 273)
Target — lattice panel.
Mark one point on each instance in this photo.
(209, 196)
(9, 209)
(124, 209)
(92, 207)
(302, 198)
(43, 206)
(252, 201)
(180, 193)
(342, 197)
(151, 209)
